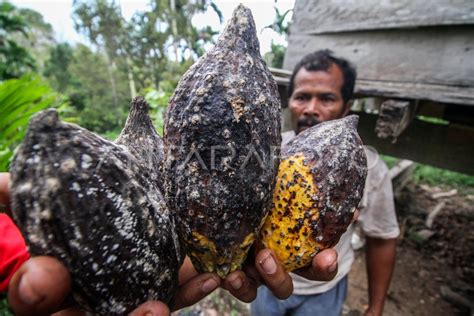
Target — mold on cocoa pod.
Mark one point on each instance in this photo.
(222, 136)
(88, 202)
(320, 183)
(141, 138)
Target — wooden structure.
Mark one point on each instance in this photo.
(419, 54)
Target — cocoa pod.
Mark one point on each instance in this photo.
(91, 204)
(222, 133)
(140, 137)
(320, 183)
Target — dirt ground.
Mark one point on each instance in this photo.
(434, 271)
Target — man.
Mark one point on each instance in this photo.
(320, 90)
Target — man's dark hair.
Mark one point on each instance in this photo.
(321, 60)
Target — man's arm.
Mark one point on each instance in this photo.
(380, 260)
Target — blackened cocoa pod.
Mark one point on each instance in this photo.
(320, 182)
(141, 138)
(222, 133)
(86, 201)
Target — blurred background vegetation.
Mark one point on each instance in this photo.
(92, 83)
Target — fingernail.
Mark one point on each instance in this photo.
(26, 293)
(149, 313)
(332, 267)
(268, 265)
(209, 285)
(236, 284)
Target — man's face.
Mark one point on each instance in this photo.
(317, 97)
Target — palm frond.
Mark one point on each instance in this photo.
(19, 100)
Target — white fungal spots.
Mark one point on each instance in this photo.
(209, 77)
(196, 119)
(52, 184)
(25, 187)
(249, 60)
(151, 228)
(111, 259)
(91, 191)
(68, 165)
(33, 160)
(226, 133)
(194, 195)
(45, 214)
(85, 161)
(262, 99)
(243, 21)
(75, 187)
(201, 91)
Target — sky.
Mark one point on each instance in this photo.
(58, 14)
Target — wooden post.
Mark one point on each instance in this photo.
(394, 118)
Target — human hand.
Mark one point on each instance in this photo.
(264, 268)
(4, 196)
(43, 286)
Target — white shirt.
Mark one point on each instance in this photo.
(377, 219)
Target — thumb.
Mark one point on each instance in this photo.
(39, 287)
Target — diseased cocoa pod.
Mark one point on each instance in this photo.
(222, 134)
(320, 183)
(141, 138)
(89, 203)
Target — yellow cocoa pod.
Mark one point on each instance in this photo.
(320, 182)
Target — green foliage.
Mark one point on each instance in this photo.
(436, 177)
(19, 99)
(39, 36)
(82, 75)
(280, 23)
(274, 58)
(15, 60)
(158, 101)
(57, 67)
(389, 160)
(432, 120)
(425, 174)
(4, 308)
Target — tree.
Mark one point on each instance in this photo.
(177, 15)
(15, 60)
(91, 85)
(101, 22)
(40, 36)
(57, 67)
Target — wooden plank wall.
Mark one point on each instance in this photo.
(317, 17)
(444, 146)
(433, 59)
